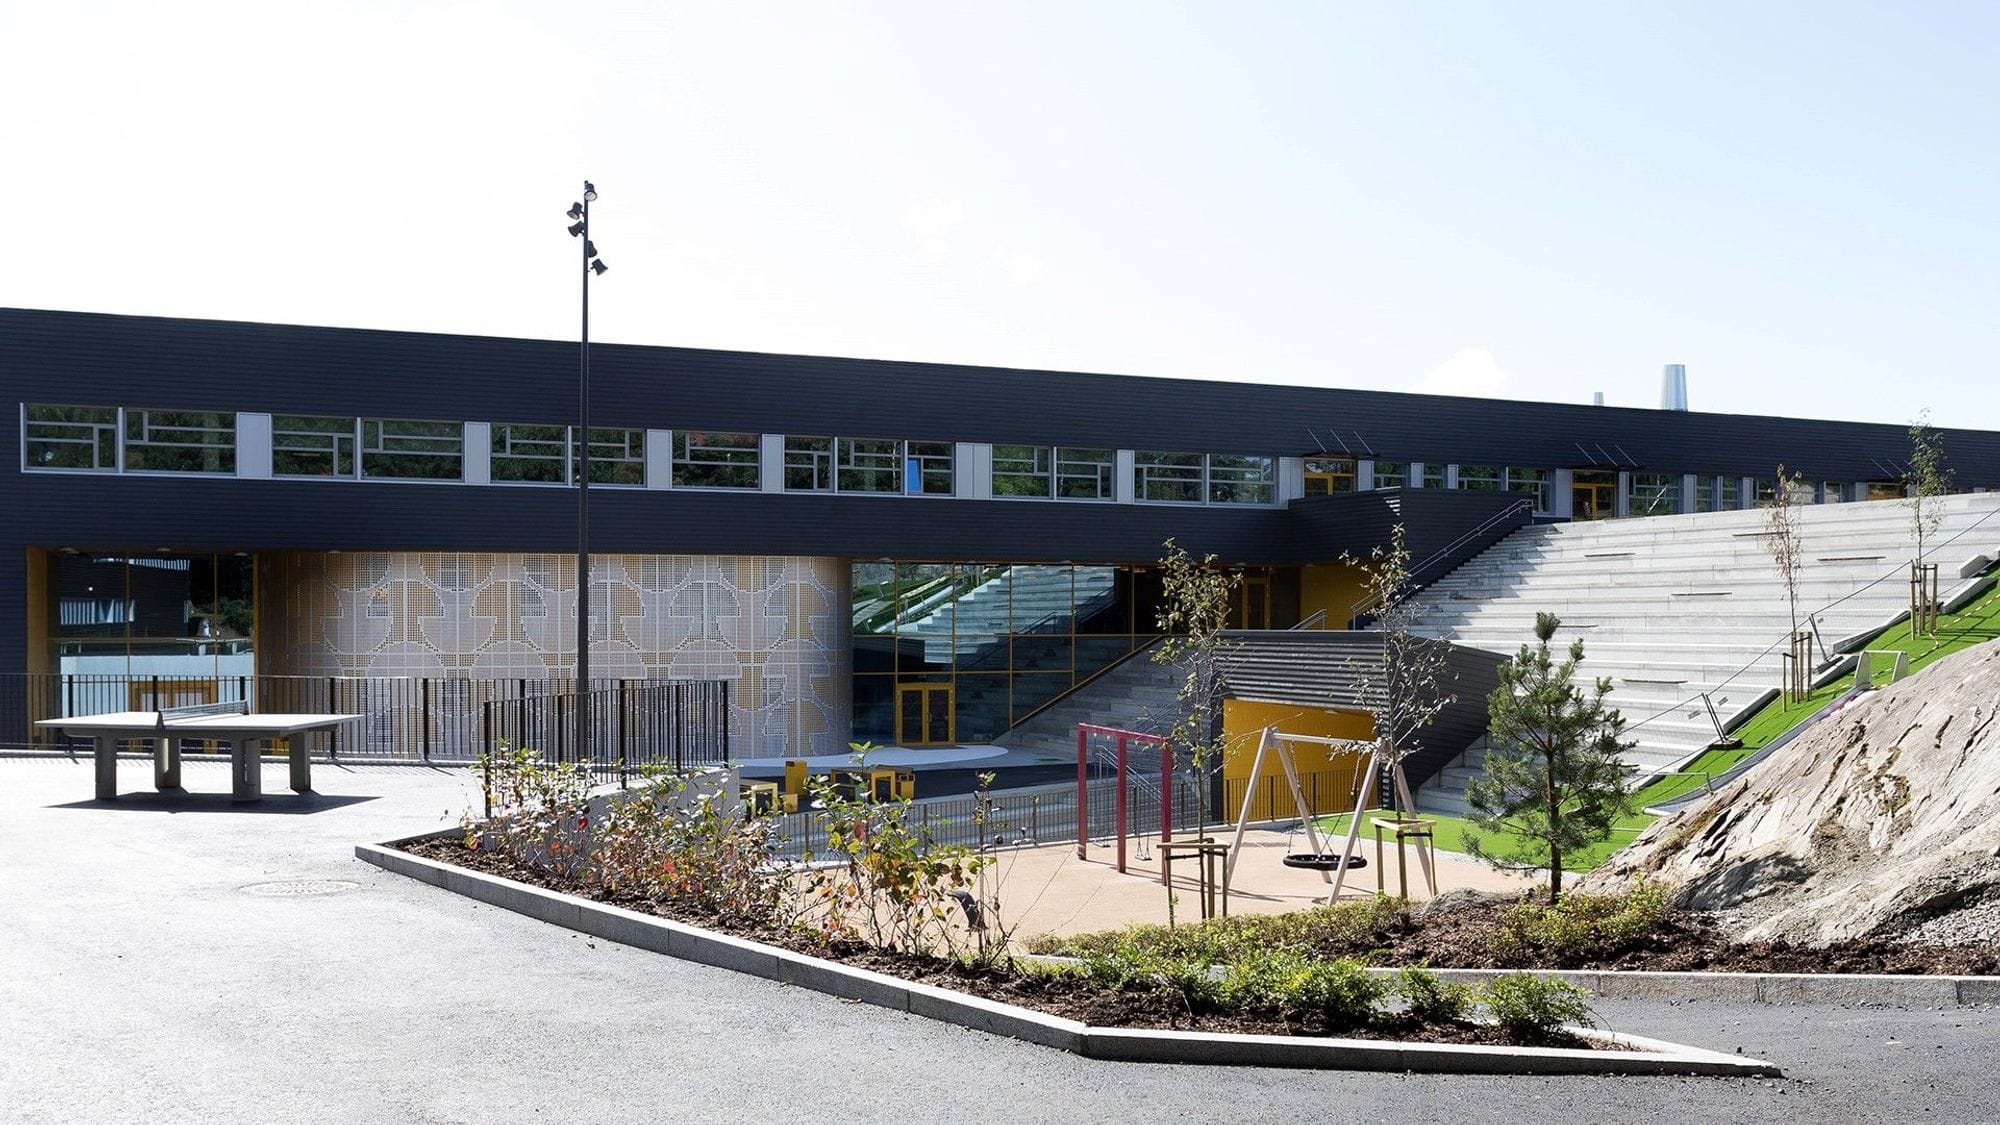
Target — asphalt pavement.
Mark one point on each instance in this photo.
(168, 959)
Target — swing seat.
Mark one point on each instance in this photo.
(1326, 861)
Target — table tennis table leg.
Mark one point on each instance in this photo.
(246, 770)
(166, 763)
(302, 774)
(107, 768)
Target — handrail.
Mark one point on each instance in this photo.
(1370, 605)
(1083, 683)
(1318, 617)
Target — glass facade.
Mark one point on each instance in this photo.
(988, 642)
(142, 440)
(185, 618)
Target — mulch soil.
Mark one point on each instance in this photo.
(1456, 938)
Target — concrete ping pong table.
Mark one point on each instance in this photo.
(245, 733)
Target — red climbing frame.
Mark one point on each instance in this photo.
(1122, 738)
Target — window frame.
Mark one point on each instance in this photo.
(342, 443)
(101, 432)
(449, 439)
(736, 467)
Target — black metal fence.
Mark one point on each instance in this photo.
(682, 723)
(405, 718)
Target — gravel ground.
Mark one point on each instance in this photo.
(180, 959)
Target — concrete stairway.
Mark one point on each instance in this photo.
(1672, 607)
(1136, 695)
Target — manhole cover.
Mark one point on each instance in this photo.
(290, 888)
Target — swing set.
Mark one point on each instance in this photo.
(1334, 866)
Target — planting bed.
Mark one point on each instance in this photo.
(1066, 996)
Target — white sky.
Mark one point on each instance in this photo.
(1536, 201)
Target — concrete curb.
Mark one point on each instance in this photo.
(1765, 988)
(660, 935)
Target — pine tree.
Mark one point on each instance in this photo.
(1553, 779)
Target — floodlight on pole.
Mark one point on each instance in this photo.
(581, 229)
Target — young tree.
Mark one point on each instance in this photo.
(1787, 549)
(1407, 691)
(1926, 482)
(1553, 779)
(1194, 610)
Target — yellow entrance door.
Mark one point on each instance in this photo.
(924, 715)
(1253, 602)
(1593, 497)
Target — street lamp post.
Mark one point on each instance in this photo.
(592, 264)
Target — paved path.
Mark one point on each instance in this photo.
(142, 978)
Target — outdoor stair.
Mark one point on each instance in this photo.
(1672, 607)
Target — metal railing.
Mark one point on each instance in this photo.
(682, 723)
(1012, 817)
(407, 718)
(1369, 607)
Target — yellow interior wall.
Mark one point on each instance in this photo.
(1328, 776)
(1334, 588)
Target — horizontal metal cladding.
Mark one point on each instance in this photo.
(88, 511)
(142, 361)
(1324, 527)
(1332, 669)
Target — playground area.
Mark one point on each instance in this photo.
(1048, 890)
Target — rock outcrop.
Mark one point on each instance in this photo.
(1884, 821)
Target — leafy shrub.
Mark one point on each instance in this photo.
(1531, 1007)
(1262, 981)
(1347, 928)
(1192, 981)
(666, 843)
(1580, 926)
(1431, 998)
(539, 813)
(891, 885)
(1340, 991)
